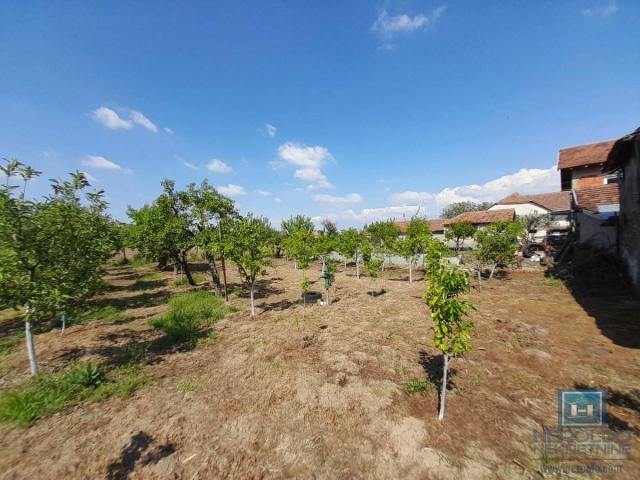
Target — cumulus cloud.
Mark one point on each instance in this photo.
(602, 11)
(277, 200)
(231, 190)
(335, 200)
(218, 166)
(388, 27)
(271, 130)
(308, 162)
(97, 161)
(263, 193)
(140, 119)
(525, 181)
(111, 119)
(430, 204)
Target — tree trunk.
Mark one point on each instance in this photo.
(323, 264)
(175, 269)
(328, 296)
(295, 263)
(31, 349)
(215, 278)
(187, 271)
(443, 390)
(493, 269)
(253, 306)
(63, 319)
(410, 271)
(357, 267)
(124, 255)
(479, 279)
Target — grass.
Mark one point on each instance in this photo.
(107, 313)
(419, 385)
(139, 261)
(552, 282)
(48, 393)
(148, 280)
(187, 387)
(189, 314)
(198, 278)
(9, 343)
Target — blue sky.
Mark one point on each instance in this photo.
(350, 109)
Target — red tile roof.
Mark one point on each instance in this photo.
(591, 198)
(483, 217)
(436, 225)
(591, 154)
(555, 201)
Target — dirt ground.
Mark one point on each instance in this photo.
(319, 392)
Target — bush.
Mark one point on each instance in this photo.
(419, 385)
(49, 393)
(189, 314)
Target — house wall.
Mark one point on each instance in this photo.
(522, 208)
(629, 228)
(592, 233)
(587, 176)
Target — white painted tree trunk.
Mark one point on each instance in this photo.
(64, 322)
(493, 269)
(479, 279)
(253, 305)
(443, 390)
(357, 267)
(31, 349)
(410, 271)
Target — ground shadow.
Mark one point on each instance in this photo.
(432, 365)
(627, 400)
(376, 293)
(147, 299)
(598, 284)
(278, 306)
(129, 456)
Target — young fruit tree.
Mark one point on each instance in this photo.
(163, 230)
(248, 243)
(496, 245)
(382, 236)
(451, 328)
(459, 232)
(414, 243)
(296, 223)
(52, 251)
(352, 244)
(374, 269)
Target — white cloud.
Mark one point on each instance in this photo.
(263, 193)
(309, 161)
(271, 130)
(140, 119)
(525, 181)
(168, 130)
(189, 165)
(96, 161)
(387, 27)
(218, 166)
(111, 119)
(277, 200)
(231, 190)
(368, 215)
(90, 177)
(335, 200)
(603, 11)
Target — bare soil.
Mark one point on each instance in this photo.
(319, 391)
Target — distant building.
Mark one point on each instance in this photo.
(595, 213)
(555, 204)
(481, 219)
(437, 228)
(581, 166)
(624, 162)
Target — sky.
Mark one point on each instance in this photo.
(352, 110)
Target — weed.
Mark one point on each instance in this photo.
(139, 261)
(552, 282)
(118, 262)
(108, 313)
(419, 385)
(49, 392)
(189, 314)
(187, 387)
(9, 343)
(198, 278)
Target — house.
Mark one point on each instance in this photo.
(481, 219)
(437, 228)
(595, 211)
(555, 204)
(581, 166)
(624, 161)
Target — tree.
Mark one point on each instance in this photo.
(352, 244)
(296, 226)
(248, 243)
(456, 208)
(383, 236)
(531, 223)
(496, 245)
(207, 209)
(51, 251)
(329, 228)
(414, 243)
(458, 232)
(374, 266)
(451, 328)
(163, 230)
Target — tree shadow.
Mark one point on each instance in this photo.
(432, 365)
(376, 293)
(129, 456)
(627, 400)
(279, 305)
(598, 284)
(147, 299)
